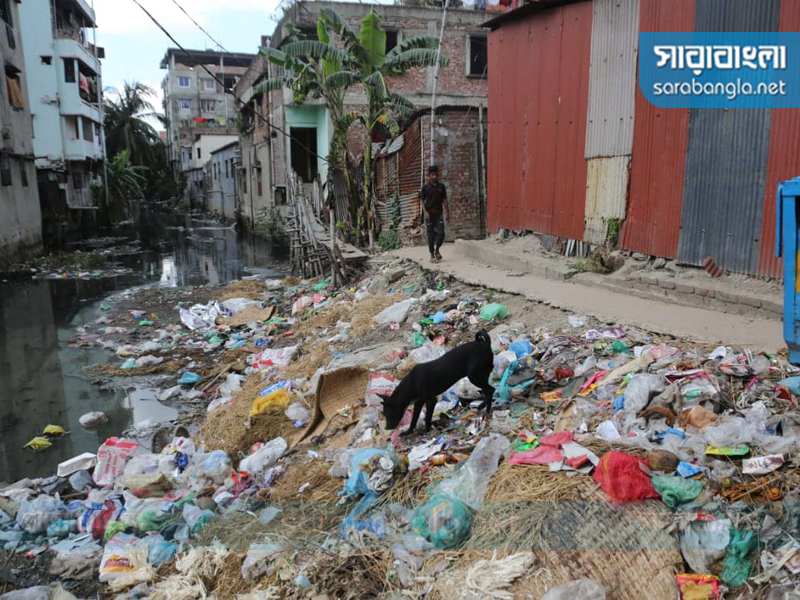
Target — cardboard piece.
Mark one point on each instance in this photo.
(249, 315)
(335, 390)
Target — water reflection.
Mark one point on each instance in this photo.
(44, 381)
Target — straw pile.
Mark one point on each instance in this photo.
(361, 321)
(244, 288)
(230, 428)
(169, 366)
(535, 483)
(311, 356)
(315, 473)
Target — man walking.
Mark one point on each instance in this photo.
(434, 201)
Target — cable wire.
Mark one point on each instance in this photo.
(257, 112)
(175, 2)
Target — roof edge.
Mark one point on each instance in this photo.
(531, 7)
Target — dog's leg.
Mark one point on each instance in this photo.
(482, 381)
(488, 392)
(414, 418)
(430, 404)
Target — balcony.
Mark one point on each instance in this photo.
(70, 45)
(80, 149)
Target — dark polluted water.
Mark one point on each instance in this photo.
(44, 381)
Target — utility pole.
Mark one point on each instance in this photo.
(436, 76)
(101, 107)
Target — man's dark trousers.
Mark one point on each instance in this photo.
(435, 232)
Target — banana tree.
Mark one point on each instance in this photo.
(357, 60)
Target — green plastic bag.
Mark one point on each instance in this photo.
(443, 520)
(739, 559)
(494, 311)
(620, 347)
(674, 489)
(319, 286)
(419, 339)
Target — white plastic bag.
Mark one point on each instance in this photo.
(35, 515)
(396, 313)
(235, 305)
(117, 557)
(704, 542)
(263, 458)
(274, 357)
(141, 464)
(233, 383)
(639, 390)
(111, 459)
(261, 559)
(297, 413)
(470, 482)
(465, 389)
(426, 353)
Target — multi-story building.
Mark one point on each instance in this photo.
(20, 223)
(286, 136)
(222, 184)
(198, 106)
(64, 88)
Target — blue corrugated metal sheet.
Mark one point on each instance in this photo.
(726, 159)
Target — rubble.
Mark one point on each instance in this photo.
(282, 477)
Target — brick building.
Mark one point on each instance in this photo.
(300, 132)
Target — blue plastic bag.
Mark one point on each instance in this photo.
(438, 318)
(161, 552)
(189, 377)
(521, 348)
(792, 384)
(688, 470)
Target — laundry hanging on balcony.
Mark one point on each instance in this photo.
(15, 97)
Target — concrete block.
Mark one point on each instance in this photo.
(666, 284)
(706, 292)
(683, 288)
(772, 307)
(749, 301)
(649, 280)
(726, 296)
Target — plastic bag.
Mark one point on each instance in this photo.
(34, 516)
(297, 413)
(274, 357)
(576, 321)
(674, 489)
(622, 477)
(443, 520)
(494, 311)
(396, 313)
(116, 560)
(381, 385)
(141, 464)
(233, 383)
(37, 592)
(469, 483)
(580, 589)
(263, 458)
(639, 391)
(112, 457)
(704, 542)
(261, 559)
(739, 558)
(263, 403)
(370, 473)
(195, 517)
(521, 348)
(792, 384)
(426, 353)
(216, 465)
(732, 432)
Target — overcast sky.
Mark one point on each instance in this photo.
(135, 46)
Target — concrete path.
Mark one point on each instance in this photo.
(693, 323)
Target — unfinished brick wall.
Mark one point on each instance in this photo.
(456, 148)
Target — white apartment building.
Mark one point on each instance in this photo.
(64, 90)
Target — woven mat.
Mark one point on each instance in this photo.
(249, 315)
(335, 391)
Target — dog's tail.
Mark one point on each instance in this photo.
(483, 337)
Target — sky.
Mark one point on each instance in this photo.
(134, 45)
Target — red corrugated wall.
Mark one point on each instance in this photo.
(660, 138)
(784, 158)
(538, 91)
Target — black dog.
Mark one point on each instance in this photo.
(427, 380)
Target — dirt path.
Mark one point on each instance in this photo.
(694, 323)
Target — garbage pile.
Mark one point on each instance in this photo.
(613, 459)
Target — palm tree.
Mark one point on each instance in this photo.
(127, 127)
(125, 180)
(321, 68)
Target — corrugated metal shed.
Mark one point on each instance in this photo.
(538, 91)
(784, 158)
(606, 195)
(399, 169)
(660, 137)
(612, 77)
(727, 158)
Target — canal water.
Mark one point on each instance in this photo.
(44, 381)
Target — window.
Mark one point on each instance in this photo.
(23, 173)
(14, 88)
(5, 11)
(88, 129)
(226, 170)
(5, 170)
(183, 81)
(47, 60)
(209, 85)
(304, 152)
(69, 70)
(478, 62)
(392, 39)
(198, 153)
(184, 103)
(258, 181)
(280, 196)
(78, 180)
(244, 180)
(207, 105)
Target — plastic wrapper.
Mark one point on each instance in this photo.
(739, 558)
(469, 483)
(494, 310)
(117, 559)
(215, 465)
(443, 520)
(396, 313)
(674, 489)
(195, 517)
(761, 465)
(733, 432)
(703, 543)
(580, 589)
(427, 352)
(274, 357)
(141, 464)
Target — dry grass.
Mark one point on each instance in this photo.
(412, 489)
(227, 427)
(252, 290)
(311, 356)
(322, 486)
(535, 483)
(169, 366)
(365, 310)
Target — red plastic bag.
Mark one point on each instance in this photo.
(556, 440)
(543, 455)
(622, 478)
